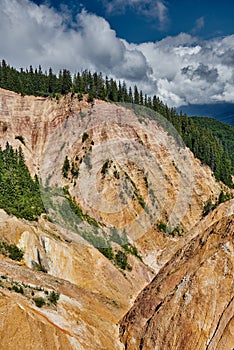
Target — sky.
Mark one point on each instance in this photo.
(180, 50)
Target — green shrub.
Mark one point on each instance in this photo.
(11, 251)
(39, 301)
(105, 167)
(85, 136)
(90, 97)
(18, 289)
(116, 174)
(15, 253)
(80, 96)
(162, 227)
(21, 139)
(121, 261)
(39, 267)
(209, 206)
(53, 297)
(224, 197)
(82, 114)
(66, 167)
(175, 231)
(130, 249)
(74, 170)
(140, 199)
(107, 252)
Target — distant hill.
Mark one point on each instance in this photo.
(223, 112)
(224, 132)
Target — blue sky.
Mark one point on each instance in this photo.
(182, 51)
(139, 21)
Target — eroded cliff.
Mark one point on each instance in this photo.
(128, 169)
(189, 304)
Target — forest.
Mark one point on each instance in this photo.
(207, 141)
(20, 194)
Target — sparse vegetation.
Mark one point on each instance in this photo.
(53, 297)
(78, 211)
(31, 292)
(75, 170)
(39, 301)
(176, 232)
(224, 197)
(162, 227)
(85, 136)
(209, 206)
(11, 251)
(122, 240)
(39, 267)
(80, 96)
(21, 139)
(136, 191)
(66, 167)
(65, 209)
(130, 249)
(107, 252)
(116, 174)
(105, 166)
(152, 196)
(121, 260)
(140, 199)
(17, 289)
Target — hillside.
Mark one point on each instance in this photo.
(189, 304)
(224, 132)
(122, 197)
(222, 112)
(35, 82)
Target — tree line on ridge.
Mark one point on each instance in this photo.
(203, 141)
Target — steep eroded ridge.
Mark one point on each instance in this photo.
(189, 304)
(126, 174)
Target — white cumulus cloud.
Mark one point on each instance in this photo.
(187, 70)
(179, 70)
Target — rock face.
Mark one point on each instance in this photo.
(189, 304)
(128, 169)
(94, 294)
(80, 320)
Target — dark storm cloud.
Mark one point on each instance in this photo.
(227, 58)
(202, 72)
